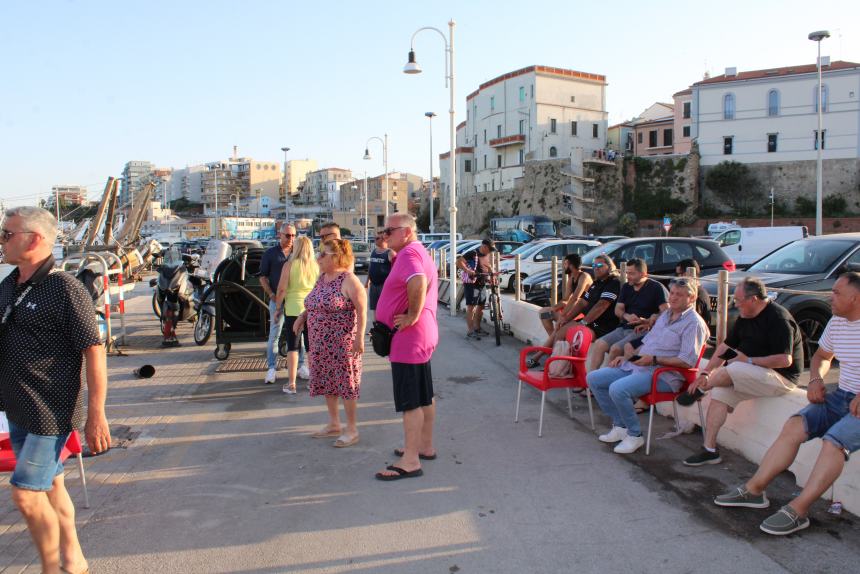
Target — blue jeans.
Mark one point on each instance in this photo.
(38, 458)
(833, 421)
(616, 391)
(275, 337)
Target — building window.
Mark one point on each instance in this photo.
(771, 143)
(522, 127)
(494, 184)
(492, 103)
(468, 166)
(824, 98)
(686, 131)
(532, 91)
(499, 131)
(652, 138)
(553, 152)
(485, 161)
(499, 160)
(667, 137)
(573, 128)
(729, 107)
(823, 139)
(687, 110)
(485, 187)
(522, 156)
(727, 145)
(594, 130)
(552, 125)
(485, 136)
(639, 138)
(773, 103)
(522, 93)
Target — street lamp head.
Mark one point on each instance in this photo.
(819, 35)
(430, 114)
(367, 153)
(411, 66)
(285, 149)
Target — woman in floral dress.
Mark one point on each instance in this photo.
(336, 314)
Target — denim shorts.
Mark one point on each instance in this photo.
(475, 295)
(832, 421)
(38, 459)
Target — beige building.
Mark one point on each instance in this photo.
(297, 171)
(401, 186)
(322, 187)
(353, 219)
(68, 194)
(251, 186)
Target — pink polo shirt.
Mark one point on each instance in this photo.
(413, 345)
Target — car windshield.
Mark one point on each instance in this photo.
(803, 257)
(524, 249)
(544, 228)
(607, 248)
(358, 247)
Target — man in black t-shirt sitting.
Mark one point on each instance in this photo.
(764, 357)
(639, 304)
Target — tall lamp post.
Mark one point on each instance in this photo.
(384, 161)
(412, 67)
(430, 116)
(819, 192)
(286, 183)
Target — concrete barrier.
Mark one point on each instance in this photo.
(749, 430)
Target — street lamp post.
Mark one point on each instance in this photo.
(286, 183)
(430, 116)
(384, 161)
(355, 191)
(819, 192)
(235, 204)
(217, 219)
(412, 67)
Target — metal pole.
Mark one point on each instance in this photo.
(771, 207)
(385, 161)
(518, 283)
(452, 209)
(57, 200)
(819, 229)
(722, 305)
(366, 222)
(553, 281)
(217, 221)
(432, 202)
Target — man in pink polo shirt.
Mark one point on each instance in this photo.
(408, 304)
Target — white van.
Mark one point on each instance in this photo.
(746, 245)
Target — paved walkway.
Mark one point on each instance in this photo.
(221, 476)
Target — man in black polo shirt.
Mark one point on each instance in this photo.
(47, 326)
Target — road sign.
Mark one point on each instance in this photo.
(667, 227)
(667, 221)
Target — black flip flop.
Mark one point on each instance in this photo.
(400, 473)
(399, 452)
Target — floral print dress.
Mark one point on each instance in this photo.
(335, 370)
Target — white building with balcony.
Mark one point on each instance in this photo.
(768, 116)
(535, 113)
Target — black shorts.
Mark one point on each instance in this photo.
(373, 296)
(413, 386)
(287, 334)
(475, 295)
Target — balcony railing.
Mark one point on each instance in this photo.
(518, 139)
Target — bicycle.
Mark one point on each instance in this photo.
(494, 302)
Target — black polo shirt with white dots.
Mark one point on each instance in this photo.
(42, 340)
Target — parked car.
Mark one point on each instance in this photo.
(662, 254)
(361, 251)
(507, 247)
(540, 257)
(438, 244)
(811, 264)
(746, 245)
(600, 238)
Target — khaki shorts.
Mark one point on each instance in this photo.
(750, 382)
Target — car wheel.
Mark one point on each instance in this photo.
(512, 282)
(812, 323)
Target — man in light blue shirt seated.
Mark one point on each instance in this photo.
(675, 340)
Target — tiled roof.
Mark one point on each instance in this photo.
(682, 93)
(562, 72)
(779, 72)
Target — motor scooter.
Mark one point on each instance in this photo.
(173, 300)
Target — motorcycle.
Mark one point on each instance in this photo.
(173, 300)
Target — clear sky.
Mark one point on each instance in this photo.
(89, 85)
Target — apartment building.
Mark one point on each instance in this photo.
(322, 187)
(135, 175)
(251, 186)
(297, 171)
(401, 186)
(69, 195)
(767, 116)
(187, 183)
(532, 114)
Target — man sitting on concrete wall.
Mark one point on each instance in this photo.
(763, 354)
(832, 416)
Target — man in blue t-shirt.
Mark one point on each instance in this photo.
(640, 302)
(271, 266)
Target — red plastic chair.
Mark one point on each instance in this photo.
(73, 447)
(579, 338)
(655, 396)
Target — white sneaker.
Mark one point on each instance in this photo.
(615, 434)
(304, 372)
(271, 376)
(630, 444)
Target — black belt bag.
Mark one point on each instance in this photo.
(380, 337)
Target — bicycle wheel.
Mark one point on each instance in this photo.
(496, 311)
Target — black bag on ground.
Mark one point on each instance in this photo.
(380, 337)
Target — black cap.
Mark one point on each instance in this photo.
(491, 245)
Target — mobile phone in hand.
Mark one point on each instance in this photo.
(729, 354)
(634, 358)
(545, 315)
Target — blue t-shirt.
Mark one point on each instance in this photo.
(645, 302)
(272, 264)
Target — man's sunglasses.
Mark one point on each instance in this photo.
(390, 230)
(287, 234)
(7, 235)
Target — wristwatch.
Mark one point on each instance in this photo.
(749, 360)
(654, 360)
